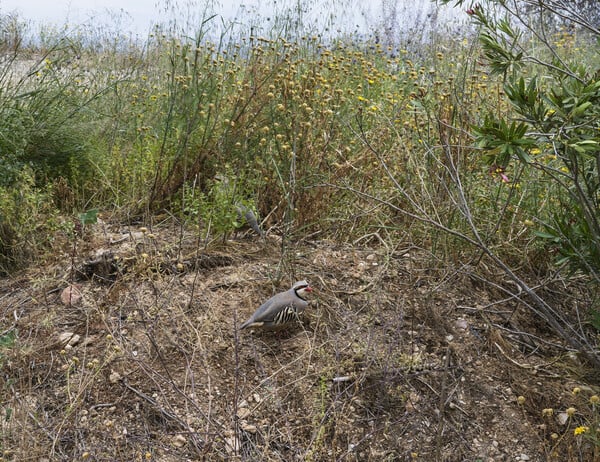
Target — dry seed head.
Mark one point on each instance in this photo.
(521, 400)
(571, 411)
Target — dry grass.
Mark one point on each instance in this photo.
(392, 362)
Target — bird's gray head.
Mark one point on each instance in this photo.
(301, 288)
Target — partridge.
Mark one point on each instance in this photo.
(250, 218)
(281, 308)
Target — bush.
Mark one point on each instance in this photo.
(28, 220)
(556, 99)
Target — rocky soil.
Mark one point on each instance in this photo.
(395, 360)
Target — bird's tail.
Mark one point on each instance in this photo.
(250, 219)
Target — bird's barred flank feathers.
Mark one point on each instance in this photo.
(286, 315)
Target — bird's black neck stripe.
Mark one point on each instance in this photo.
(297, 294)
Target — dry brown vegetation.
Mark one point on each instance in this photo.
(393, 361)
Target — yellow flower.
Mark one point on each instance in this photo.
(581, 429)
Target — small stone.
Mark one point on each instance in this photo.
(114, 377)
(69, 338)
(524, 457)
(65, 337)
(243, 412)
(179, 441)
(249, 427)
(71, 296)
(257, 398)
(461, 324)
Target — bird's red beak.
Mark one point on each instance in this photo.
(308, 288)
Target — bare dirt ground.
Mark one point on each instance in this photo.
(392, 362)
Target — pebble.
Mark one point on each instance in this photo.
(69, 338)
(114, 377)
(249, 427)
(461, 324)
(179, 441)
(71, 296)
(243, 412)
(562, 418)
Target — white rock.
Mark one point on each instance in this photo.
(243, 412)
(179, 441)
(65, 337)
(249, 427)
(114, 377)
(69, 338)
(562, 418)
(461, 324)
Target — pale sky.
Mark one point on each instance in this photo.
(139, 15)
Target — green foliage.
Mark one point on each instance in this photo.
(7, 341)
(504, 140)
(27, 221)
(89, 217)
(42, 118)
(554, 130)
(217, 210)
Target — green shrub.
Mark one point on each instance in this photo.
(28, 220)
(556, 100)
